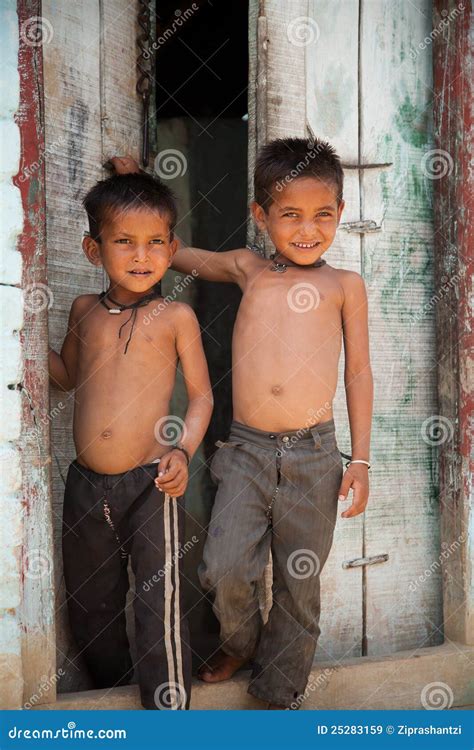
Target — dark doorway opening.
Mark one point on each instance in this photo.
(201, 114)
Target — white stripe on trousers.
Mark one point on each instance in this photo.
(177, 690)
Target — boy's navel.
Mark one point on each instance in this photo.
(106, 434)
(276, 390)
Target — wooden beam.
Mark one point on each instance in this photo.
(451, 169)
(37, 610)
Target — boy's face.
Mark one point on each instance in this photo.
(135, 248)
(302, 219)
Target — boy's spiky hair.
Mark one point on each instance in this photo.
(286, 159)
(125, 191)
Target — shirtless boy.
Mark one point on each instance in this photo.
(124, 491)
(280, 473)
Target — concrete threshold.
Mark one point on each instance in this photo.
(438, 676)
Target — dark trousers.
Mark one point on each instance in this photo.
(108, 517)
(279, 492)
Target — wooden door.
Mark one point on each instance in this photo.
(355, 73)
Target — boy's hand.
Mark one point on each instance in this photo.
(124, 164)
(172, 473)
(357, 479)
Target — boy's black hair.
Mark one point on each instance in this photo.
(124, 191)
(286, 159)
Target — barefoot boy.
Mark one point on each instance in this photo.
(124, 491)
(280, 473)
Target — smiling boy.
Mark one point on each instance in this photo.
(280, 473)
(124, 491)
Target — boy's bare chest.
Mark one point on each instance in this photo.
(295, 304)
(128, 340)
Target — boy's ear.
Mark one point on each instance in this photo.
(259, 215)
(92, 251)
(340, 209)
(173, 248)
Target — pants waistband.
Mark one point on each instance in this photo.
(289, 437)
(97, 477)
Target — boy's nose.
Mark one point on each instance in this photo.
(141, 253)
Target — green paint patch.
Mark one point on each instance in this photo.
(412, 123)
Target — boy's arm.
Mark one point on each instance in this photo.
(209, 265)
(358, 382)
(62, 367)
(200, 401)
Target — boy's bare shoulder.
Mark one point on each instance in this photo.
(351, 282)
(83, 304)
(181, 314)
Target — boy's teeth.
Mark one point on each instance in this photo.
(306, 244)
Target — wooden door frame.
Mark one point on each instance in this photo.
(441, 663)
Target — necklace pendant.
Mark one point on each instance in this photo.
(279, 267)
(114, 311)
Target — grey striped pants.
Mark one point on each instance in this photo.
(276, 491)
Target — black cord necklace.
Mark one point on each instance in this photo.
(118, 308)
(282, 267)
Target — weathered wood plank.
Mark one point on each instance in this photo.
(91, 112)
(453, 82)
(402, 606)
(331, 110)
(37, 603)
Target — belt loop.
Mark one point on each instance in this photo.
(316, 436)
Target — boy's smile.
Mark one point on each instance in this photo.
(302, 219)
(135, 250)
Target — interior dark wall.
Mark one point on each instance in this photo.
(202, 67)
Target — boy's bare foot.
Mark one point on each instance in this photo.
(220, 667)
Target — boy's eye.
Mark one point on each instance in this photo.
(158, 242)
(291, 213)
(122, 241)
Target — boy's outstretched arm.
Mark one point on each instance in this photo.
(359, 387)
(209, 265)
(62, 367)
(173, 465)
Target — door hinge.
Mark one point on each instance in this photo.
(361, 227)
(357, 562)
